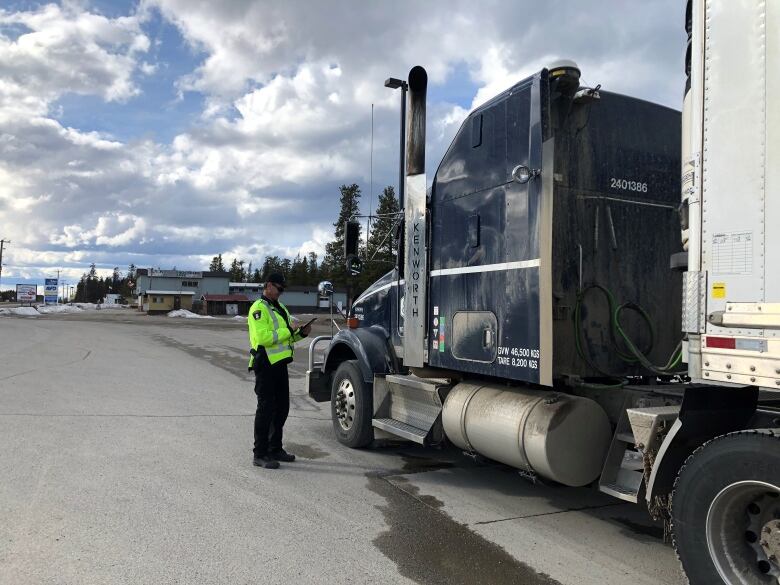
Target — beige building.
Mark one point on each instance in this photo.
(162, 301)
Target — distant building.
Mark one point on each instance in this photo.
(163, 301)
(225, 304)
(296, 298)
(212, 293)
(307, 299)
(252, 290)
(182, 281)
(113, 299)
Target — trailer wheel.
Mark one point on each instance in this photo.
(351, 406)
(726, 510)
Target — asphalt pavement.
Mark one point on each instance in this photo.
(125, 458)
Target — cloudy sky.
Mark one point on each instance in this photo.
(164, 132)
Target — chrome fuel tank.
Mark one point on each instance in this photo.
(557, 436)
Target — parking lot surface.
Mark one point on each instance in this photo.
(126, 459)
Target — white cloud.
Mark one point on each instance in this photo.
(287, 89)
(65, 49)
(320, 236)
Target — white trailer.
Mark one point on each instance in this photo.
(726, 504)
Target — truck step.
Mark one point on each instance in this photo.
(412, 401)
(619, 491)
(623, 473)
(401, 429)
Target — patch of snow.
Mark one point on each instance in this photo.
(45, 309)
(22, 311)
(239, 318)
(188, 314)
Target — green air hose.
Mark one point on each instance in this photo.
(617, 334)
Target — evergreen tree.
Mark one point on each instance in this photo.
(216, 264)
(127, 284)
(313, 270)
(381, 252)
(92, 285)
(236, 271)
(272, 264)
(299, 271)
(334, 263)
(81, 289)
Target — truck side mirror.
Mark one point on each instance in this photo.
(351, 238)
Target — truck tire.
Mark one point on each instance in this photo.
(351, 406)
(726, 510)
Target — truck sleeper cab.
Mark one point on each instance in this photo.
(545, 198)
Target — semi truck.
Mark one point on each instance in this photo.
(588, 291)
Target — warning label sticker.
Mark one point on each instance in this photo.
(718, 290)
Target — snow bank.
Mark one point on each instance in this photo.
(187, 314)
(49, 309)
(239, 318)
(23, 311)
(45, 309)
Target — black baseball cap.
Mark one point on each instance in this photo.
(277, 278)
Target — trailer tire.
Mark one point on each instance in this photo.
(351, 406)
(726, 499)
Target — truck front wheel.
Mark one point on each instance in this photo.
(726, 510)
(351, 406)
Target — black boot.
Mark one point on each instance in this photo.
(282, 455)
(265, 461)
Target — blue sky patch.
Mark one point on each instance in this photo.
(458, 89)
(160, 111)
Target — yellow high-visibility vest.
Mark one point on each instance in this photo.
(268, 330)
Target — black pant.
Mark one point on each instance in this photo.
(273, 405)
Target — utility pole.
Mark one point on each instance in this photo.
(2, 244)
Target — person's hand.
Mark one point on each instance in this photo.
(306, 330)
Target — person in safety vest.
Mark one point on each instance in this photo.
(271, 338)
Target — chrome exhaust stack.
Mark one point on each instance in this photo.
(415, 251)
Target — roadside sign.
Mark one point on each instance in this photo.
(26, 293)
(50, 291)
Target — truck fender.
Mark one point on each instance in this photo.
(369, 346)
(706, 412)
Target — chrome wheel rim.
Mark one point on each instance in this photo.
(345, 404)
(743, 533)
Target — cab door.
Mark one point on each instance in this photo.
(483, 310)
